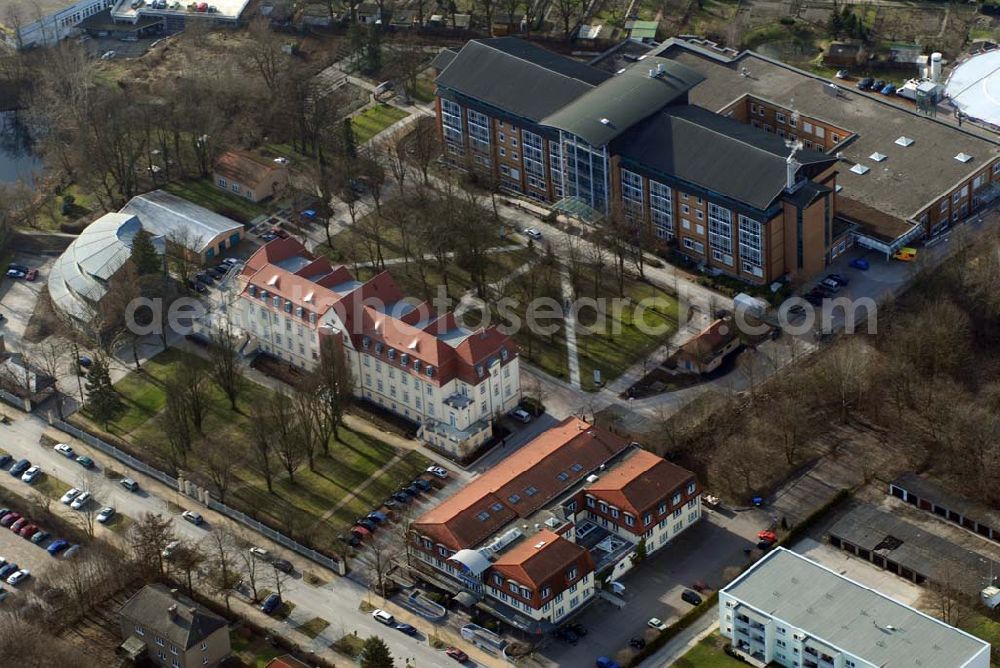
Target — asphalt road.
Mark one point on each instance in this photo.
(337, 601)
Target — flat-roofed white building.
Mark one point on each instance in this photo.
(792, 611)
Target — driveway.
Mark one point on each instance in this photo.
(653, 589)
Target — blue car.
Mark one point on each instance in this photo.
(605, 662)
(860, 263)
(7, 570)
(57, 546)
(889, 89)
(407, 629)
(270, 604)
(20, 467)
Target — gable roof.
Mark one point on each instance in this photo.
(540, 557)
(715, 152)
(517, 76)
(639, 481)
(187, 626)
(711, 339)
(179, 220)
(246, 168)
(521, 484)
(605, 112)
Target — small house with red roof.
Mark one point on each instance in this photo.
(420, 364)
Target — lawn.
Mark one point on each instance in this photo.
(298, 507)
(204, 193)
(373, 120)
(983, 627)
(425, 90)
(254, 651)
(708, 654)
(313, 627)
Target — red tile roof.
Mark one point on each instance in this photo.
(540, 558)
(521, 484)
(709, 341)
(246, 168)
(287, 661)
(361, 308)
(640, 481)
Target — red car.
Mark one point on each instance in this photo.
(768, 536)
(9, 519)
(457, 654)
(19, 524)
(31, 275)
(29, 531)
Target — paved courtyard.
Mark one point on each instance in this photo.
(653, 588)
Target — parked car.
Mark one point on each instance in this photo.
(400, 497)
(193, 517)
(29, 531)
(19, 467)
(413, 490)
(68, 497)
(457, 654)
(636, 643)
(203, 278)
(31, 475)
(383, 617)
(283, 565)
(377, 516)
(65, 450)
(270, 604)
(170, 548)
(268, 236)
(438, 471)
(889, 89)
(532, 233)
(230, 262)
(407, 629)
(351, 539)
(85, 462)
(40, 537)
(260, 553)
(860, 263)
(71, 552)
(765, 545)
(422, 485)
(767, 534)
(129, 484)
(842, 74)
(691, 597)
(281, 161)
(14, 273)
(839, 278)
(57, 546)
(367, 523)
(831, 285)
(105, 514)
(80, 501)
(17, 267)
(878, 85)
(7, 569)
(18, 577)
(5, 459)
(196, 286)
(19, 524)
(520, 415)
(84, 361)
(220, 270)
(865, 83)
(9, 519)
(656, 623)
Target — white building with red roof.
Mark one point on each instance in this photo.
(405, 356)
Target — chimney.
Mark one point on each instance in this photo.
(791, 169)
(659, 68)
(652, 73)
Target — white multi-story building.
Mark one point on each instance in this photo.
(34, 29)
(793, 612)
(419, 364)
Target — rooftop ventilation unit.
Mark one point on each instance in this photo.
(607, 121)
(878, 157)
(904, 141)
(860, 169)
(963, 157)
(592, 478)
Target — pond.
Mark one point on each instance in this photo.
(17, 159)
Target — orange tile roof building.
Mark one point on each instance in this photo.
(249, 176)
(405, 357)
(528, 535)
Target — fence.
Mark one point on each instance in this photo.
(242, 518)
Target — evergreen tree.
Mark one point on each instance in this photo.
(103, 402)
(375, 654)
(373, 50)
(144, 255)
(836, 23)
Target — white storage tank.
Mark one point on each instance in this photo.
(936, 66)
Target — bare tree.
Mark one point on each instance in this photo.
(252, 570)
(224, 358)
(426, 146)
(262, 458)
(335, 389)
(187, 558)
(278, 579)
(149, 536)
(218, 456)
(225, 576)
(567, 11)
(287, 442)
(381, 555)
(191, 382)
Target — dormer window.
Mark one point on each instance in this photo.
(378, 347)
(288, 306)
(479, 370)
(312, 318)
(504, 354)
(263, 295)
(276, 301)
(430, 371)
(404, 359)
(253, 290)
(392, 353)
(299, 311)
(365, 342)
(416, 365)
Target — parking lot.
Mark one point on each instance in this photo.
(653, 588)
(19, 296)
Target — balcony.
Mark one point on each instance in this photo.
(753, 657)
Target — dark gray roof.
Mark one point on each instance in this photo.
(518, 77)
(443, 59)
(150, 606)
(616, 105)
(715, 152)
(892, 537)
(838, 611)
(936, 493)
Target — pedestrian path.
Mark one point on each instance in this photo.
(569, 321)
(357, 490)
